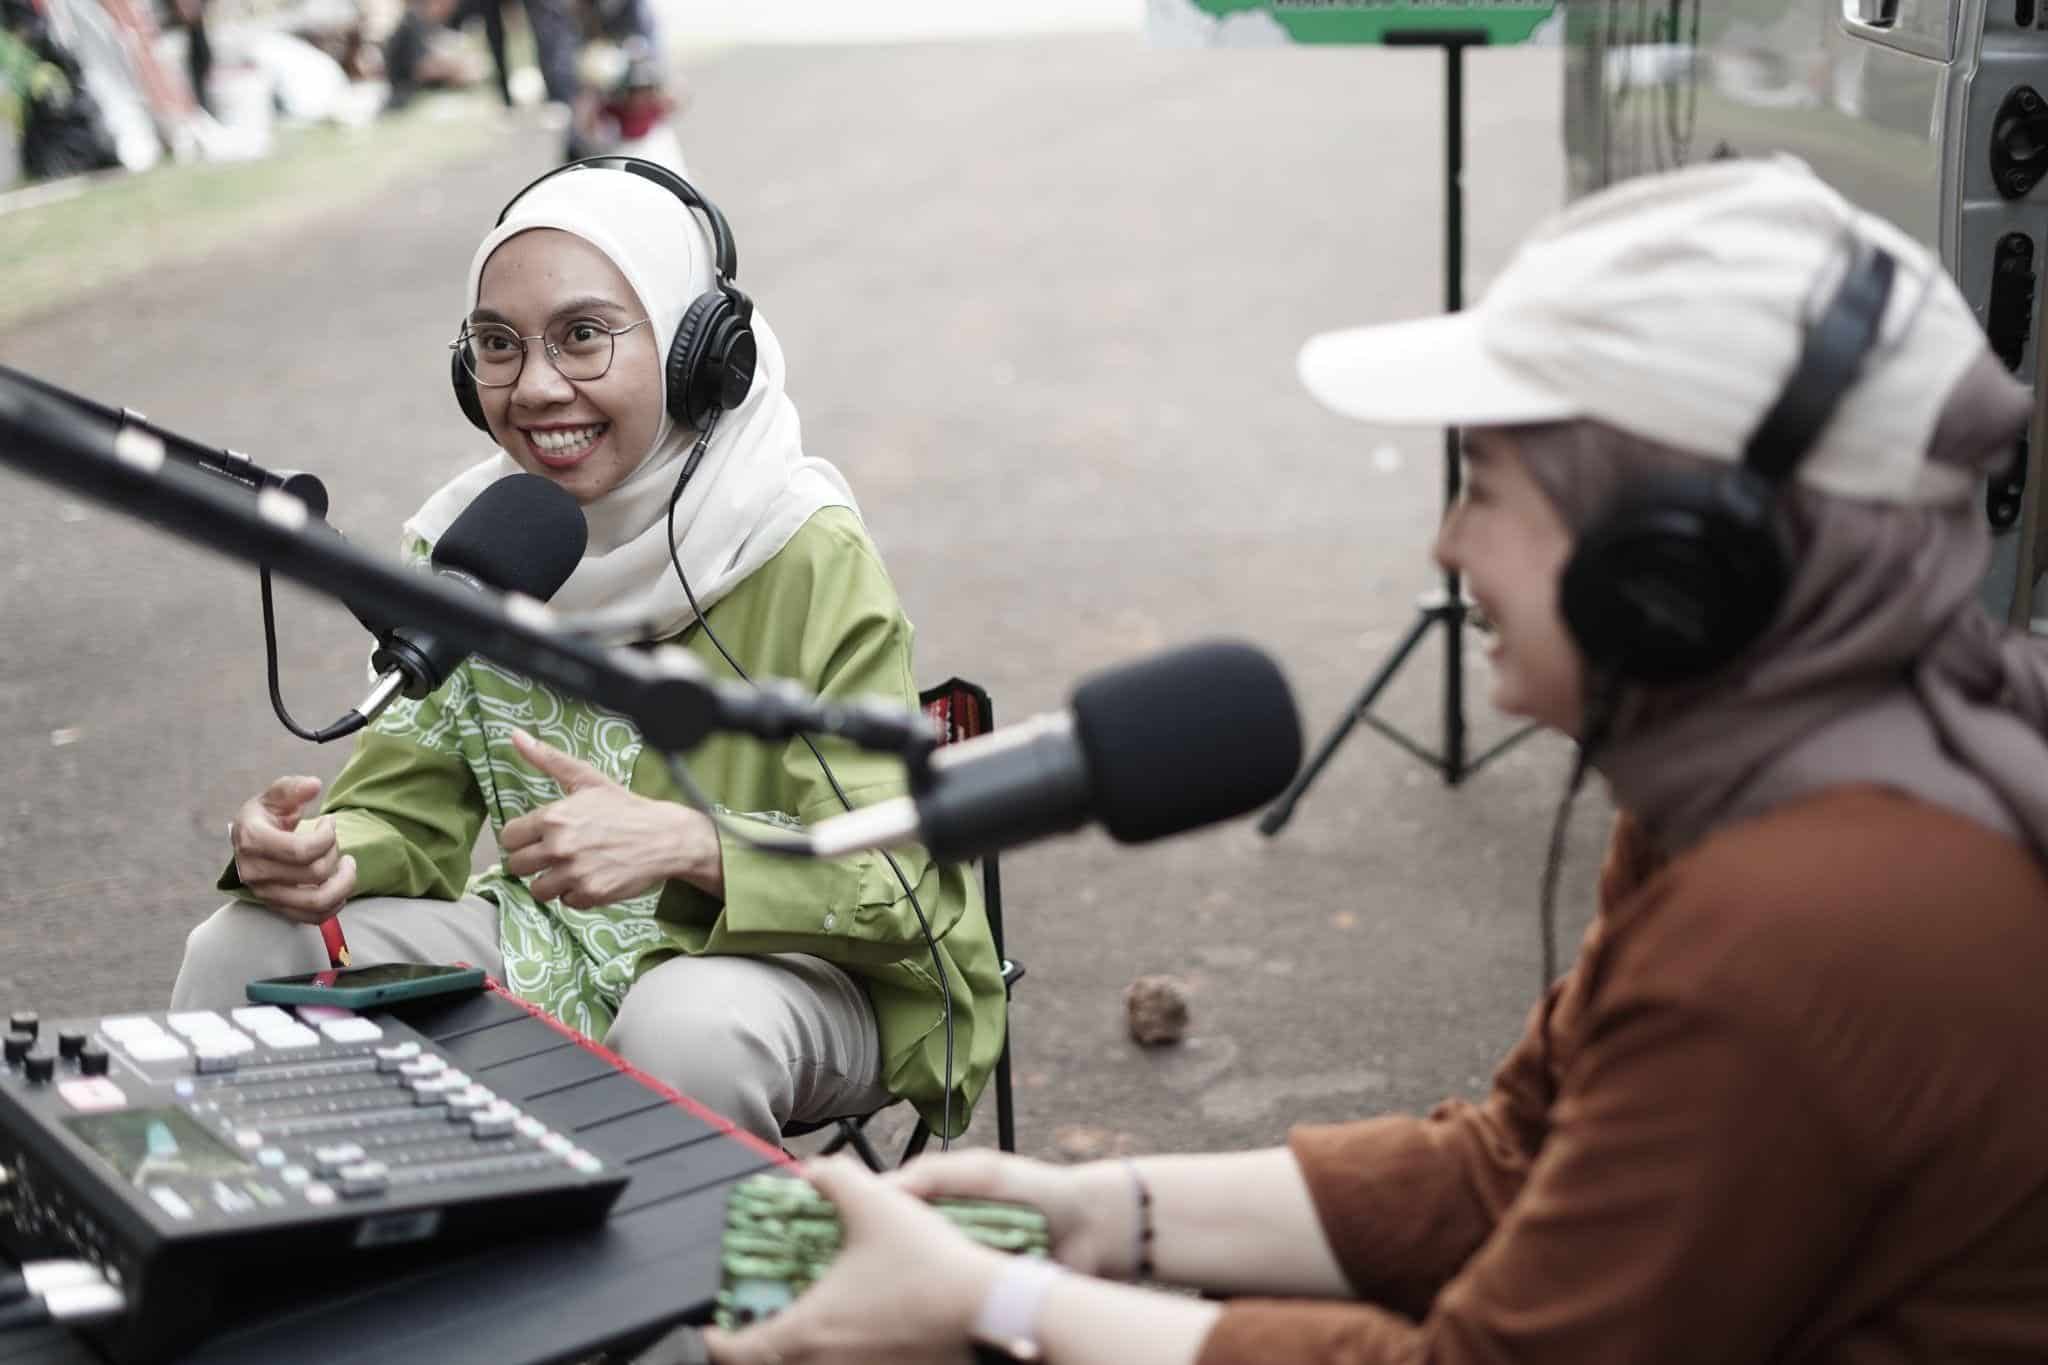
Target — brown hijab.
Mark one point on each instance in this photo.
(1881, 666)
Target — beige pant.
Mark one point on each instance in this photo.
(762, 1040)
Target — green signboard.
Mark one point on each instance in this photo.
(1261, 22)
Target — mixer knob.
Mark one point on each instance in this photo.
(39, 1066)
(69, 1042)
(18, 1045)
(25, 1021)
(92, 1060)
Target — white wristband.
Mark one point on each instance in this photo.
(1008, 1319)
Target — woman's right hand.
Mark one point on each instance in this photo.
(1090, 1211)
(297, 869)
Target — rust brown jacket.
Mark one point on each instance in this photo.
(1790, 1104)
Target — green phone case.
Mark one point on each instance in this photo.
(781, 1234)
(272, 992)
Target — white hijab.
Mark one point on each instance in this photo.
(754, 487)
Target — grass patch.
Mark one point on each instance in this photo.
(124, 226)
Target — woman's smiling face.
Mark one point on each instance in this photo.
(589, 435)
(1507, 539)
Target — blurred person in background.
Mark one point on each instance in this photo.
(624, 107)
(42, 92)
(191, 16)
(424, 53)
(492, 12)
(1788, 1103)
(600, 350)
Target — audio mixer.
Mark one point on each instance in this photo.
(191, 1155)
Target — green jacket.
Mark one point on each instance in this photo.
(414, 795)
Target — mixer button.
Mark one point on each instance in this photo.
(423, 1067)
(464, 1103)
(332, 1159)
(434, 1089)
(495, 1121)
(230, 1200)
(258, 1018)
(197, 1024)
(394, 1057)
(287, 1037)
(170, 1201)
(122, 1027)
(159, 1047)
(213, 1058)
(317, 1193)
(352, 1030)
(371, 1177)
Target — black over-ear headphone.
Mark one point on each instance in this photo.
(1684, 572)
(711, 359)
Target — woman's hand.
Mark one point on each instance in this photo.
(601, 844)
(1090, 1211)
(296, 868)
(905, 1286)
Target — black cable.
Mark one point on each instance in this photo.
(676, 769)
(1602, 698)
(347, 725)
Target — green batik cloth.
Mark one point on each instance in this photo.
(781, 1236)
(413, 797)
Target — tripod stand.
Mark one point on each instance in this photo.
(1448, 607)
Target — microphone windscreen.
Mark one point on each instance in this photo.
(1194, 736)
(521, 534)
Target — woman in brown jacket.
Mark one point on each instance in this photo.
(1726, 438)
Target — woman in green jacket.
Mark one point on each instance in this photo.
(772, 990)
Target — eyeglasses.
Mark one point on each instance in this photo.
(579, 349)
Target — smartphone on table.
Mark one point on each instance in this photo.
(357, 988)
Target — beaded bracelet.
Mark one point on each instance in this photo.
(1141, 1238)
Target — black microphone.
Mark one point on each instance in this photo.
(1185, 739)
(523, 535)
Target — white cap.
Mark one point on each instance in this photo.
(1673, 308)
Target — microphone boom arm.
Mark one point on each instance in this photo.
(664, 691)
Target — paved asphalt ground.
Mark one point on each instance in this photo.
(1041, 300)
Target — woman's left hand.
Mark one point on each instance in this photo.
(602, 844)
(905, 1286)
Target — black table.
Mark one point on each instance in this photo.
(653, 1263)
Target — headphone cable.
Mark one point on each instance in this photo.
(1601, 703)
(677, 770)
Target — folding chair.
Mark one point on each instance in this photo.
(958, 710)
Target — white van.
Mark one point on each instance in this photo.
(1933, 113)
